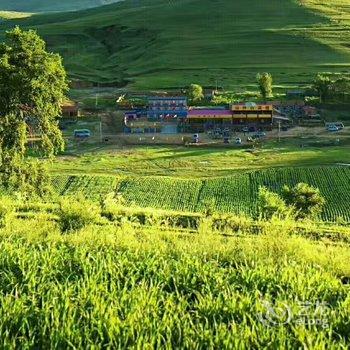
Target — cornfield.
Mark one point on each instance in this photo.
(234, 194)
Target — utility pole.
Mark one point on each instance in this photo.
(279, 131)
(100, 129)
(96, 95)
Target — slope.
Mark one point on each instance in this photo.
(52, 5)
(157, 44)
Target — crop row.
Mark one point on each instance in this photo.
(234, 194)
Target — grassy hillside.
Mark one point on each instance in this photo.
(119, 284)
(51, 5)
(152, 43)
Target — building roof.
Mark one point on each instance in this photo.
(252, 104)
(208, 112)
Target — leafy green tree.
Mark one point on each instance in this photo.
(340, 89)
(306, 200)
(272, 205)
(322, 85)
(195, 93)
(265, 82)
(32, 86)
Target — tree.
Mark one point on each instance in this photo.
(195, 93)
(340, 88)
(272, 205)
(306, 200)
(322, 84)
(33, 83)
(265, 82)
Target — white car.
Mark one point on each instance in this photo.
(238, 141)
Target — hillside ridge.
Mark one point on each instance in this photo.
(152, 44)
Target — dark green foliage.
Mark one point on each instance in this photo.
(32, 87)
(322, 84)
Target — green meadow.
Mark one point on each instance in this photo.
(191, 179)
(157, 44)
(114, 281)
(37, 6)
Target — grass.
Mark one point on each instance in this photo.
(50, 6)
(13, 14)
(184, 162)
(153, 44)
(129, 286)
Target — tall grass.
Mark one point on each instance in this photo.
(126, 285)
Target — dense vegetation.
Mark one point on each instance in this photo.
(122, 284)
(222, 39)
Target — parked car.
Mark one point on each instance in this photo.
(82, 133)
(332, 128)
(259, 135)
(245, 129)
(238, 141)
(252, 129)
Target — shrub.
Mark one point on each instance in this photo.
(7, 208)
(271, 204)
(76, 213)
(306, 200)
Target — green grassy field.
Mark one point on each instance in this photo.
(122, 285)
(157, 44)
(190, 179)
(50, 6)
(191, 162)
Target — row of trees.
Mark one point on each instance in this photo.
(264, 80)
(324, 86)
(332, 89)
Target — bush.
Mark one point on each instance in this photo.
(7, 208)
(272, 205)
(306, 200)
(76, 213)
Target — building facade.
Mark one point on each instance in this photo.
(259, 116)
(167, 108)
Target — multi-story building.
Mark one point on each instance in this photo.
(167, 108)
(255, 115)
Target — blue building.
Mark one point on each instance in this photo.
(167, 108)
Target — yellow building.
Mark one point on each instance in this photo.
(252, 113)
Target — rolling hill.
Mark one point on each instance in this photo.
(158, 44)
(51, 5)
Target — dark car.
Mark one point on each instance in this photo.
(259, 135)
(82, 133)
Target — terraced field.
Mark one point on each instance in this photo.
(235, 194)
